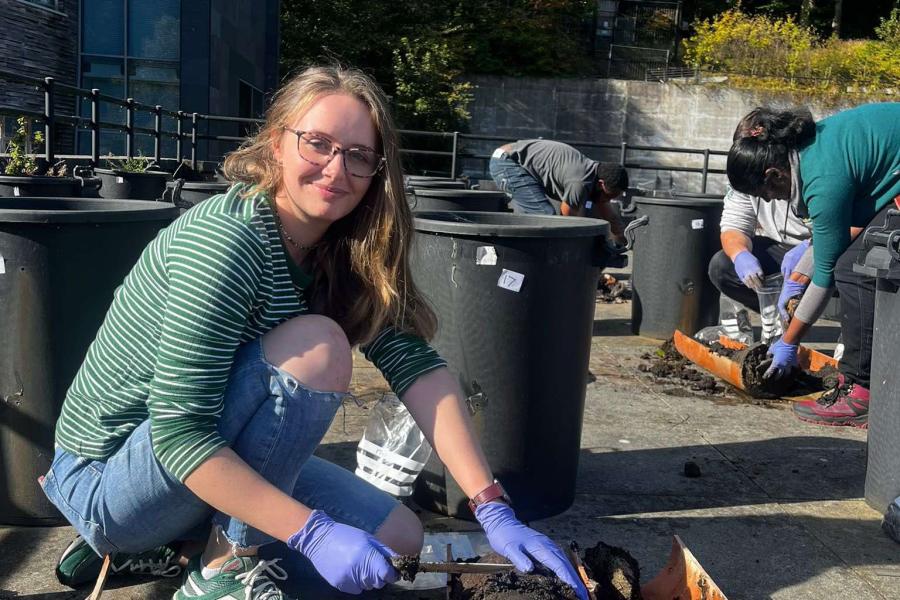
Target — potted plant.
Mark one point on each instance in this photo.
(131, 178)
(22, 174)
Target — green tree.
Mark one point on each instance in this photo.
(420, 51)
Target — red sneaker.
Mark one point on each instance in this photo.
(846, 404)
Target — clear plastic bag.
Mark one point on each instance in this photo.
(393, 450)
(734, 320)
(768, 307)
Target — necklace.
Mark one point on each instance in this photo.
(288, 237)
(294, 242)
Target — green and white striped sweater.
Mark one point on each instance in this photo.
(214, 279)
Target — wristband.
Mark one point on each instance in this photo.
(491, 492)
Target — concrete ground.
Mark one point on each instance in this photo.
(777, 513)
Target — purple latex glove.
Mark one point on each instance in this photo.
(783, 361)
(792, 257)
(522, 545)
(748, 269)
(348, 558)
(789, 289)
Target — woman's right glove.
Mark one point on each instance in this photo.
(522, 545)
(789, 289)
(348, 558)
(792, 257)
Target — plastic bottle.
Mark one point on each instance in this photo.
(768, 307)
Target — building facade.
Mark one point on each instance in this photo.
(215, 57)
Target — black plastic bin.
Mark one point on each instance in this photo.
(882, 261)
(186, 194)
(60, 261)
(148, 185)
(431, 199)
(670, 285)
(521, 356)
(28, 187)
(421, 181)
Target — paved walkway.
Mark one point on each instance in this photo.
(777, 512)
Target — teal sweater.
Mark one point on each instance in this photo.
(850, 171)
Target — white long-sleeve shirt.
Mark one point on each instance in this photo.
(752, 216)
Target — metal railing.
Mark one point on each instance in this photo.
(191, 135)
(51, 118)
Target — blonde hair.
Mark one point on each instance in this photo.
(362, 278)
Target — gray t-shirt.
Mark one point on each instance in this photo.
(566, 174)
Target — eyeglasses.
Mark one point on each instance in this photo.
(319, 151)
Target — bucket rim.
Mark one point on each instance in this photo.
(451, 192)
(201, 185)
(675, 198)
(121, 173)
(92, 210)
(502, 224)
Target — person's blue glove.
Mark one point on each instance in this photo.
(792, 257)
(748, 269)
(521, 545)
(789, 289)
(348, 558)
(783, 361)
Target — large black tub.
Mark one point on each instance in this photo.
(60, 261)
(671, 258)
(431, 199)
(514, 297)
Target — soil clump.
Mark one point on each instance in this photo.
(667, 364)
(615, 570)
(612, 291)
(407, 565)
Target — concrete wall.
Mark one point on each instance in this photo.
(38, 42)
(611, 111)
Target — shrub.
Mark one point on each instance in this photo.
(760, 52)
(20, 162)
(135, 164)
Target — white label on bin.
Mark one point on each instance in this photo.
(486, 255)
(120, 180)
(588, 205)
(697, 224)
(510, 280)
(16, 191)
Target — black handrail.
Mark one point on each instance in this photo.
(49, 118)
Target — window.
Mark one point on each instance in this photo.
(250, 104)
(51, 4)
(131, 48)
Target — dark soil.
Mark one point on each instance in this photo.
(615, 570)
(515, 586)
(667, 364)
(612, 291)
(408, 565)
(754, 363)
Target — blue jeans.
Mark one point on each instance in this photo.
(131, 503)
(527, 193)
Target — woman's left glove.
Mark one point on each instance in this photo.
(520, 544)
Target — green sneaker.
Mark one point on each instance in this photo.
(79, 564)
(241, 578)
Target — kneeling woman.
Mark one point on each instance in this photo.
(844, 173)
(227, 352)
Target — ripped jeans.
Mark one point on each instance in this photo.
(130, 503)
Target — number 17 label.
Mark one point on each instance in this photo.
(511, 280)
